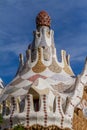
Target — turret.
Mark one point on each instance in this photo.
(44, 92)
(41, 53)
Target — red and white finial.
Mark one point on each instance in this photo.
(43, 19)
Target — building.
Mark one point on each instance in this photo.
(2, 85)
(45, 93)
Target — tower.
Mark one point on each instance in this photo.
(45, 92)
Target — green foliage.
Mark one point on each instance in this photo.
(1, 119)
(19, 127)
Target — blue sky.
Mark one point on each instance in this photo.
(17, 22)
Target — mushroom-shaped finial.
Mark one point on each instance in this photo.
(43, 19)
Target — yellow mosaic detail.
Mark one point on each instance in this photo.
(68, 70)
(52, 127)
(79, 121)
(39, 67)
(54, 67)
(39, 127)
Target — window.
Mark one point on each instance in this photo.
(36, 104)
